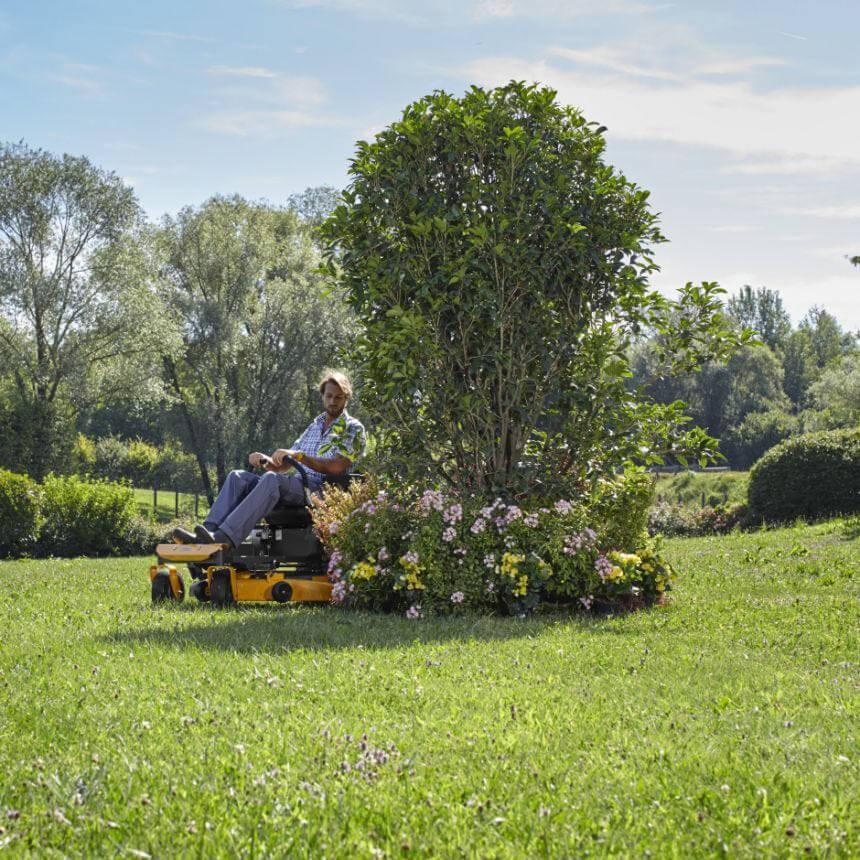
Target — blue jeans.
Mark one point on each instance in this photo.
(246, 497)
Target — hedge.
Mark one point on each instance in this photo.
(20, 504)
(812, 476)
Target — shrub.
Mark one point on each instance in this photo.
(671, 520)
(437, 552)
(83, 518)
(19, 513)
(814, 475)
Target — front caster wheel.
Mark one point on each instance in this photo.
(162, 591)
(200, 590)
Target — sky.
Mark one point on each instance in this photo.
(741, 118)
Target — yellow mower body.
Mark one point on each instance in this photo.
(225, 584)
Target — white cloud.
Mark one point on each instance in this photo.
(851, 212)
(86, 79)
(789, 122)
(242, 71)
(265, 123)
(450, 12)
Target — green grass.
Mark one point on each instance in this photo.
(687, 488)
(724, 722)
(166, 511)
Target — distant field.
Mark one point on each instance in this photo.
(722, 724)
(166, 510)
(688, 488)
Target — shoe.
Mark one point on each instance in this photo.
(203, 535)
(181, 535)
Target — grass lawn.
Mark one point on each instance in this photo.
(166, 510)
(724, 722)
(687, 488)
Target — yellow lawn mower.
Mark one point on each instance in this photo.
(281, 560)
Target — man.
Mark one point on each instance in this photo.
(329, 446)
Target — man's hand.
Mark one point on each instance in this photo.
(278, 456)
(258, 460)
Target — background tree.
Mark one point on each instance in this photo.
(836, 394)
(80, 320)
(258, 326)
(762, 311)
(499, 268)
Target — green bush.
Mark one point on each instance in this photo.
(83, 518)
(19, 513)
(142, 464)
(814, 475)
(437, 552)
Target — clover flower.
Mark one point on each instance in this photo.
(563, 506)
(458, 597)
(414, 611)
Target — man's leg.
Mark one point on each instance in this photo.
(237, 486)
(269, 489)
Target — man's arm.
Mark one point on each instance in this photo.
(337, 465)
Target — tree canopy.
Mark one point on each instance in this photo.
(498, 266)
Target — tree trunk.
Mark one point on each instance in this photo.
(199, 453)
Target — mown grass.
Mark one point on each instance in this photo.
(695, 489)
(724, 722)
(166, 510)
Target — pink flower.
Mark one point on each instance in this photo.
(458, 597)
(338, 593)
(490, 561)
(449, 534)
(411, 557)
(414, 611)
(531, 520)
(478, 526)
(453, 514)
(563, 506)
(586, 601)
(382, 555)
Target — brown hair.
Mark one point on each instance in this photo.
(338, 378)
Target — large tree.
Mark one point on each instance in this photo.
(499, 267)
(80, 319)
(762, 311)
(257, 322)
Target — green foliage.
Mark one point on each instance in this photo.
(757, 433)
(78, 316)
(665, 518)
(142, 464)
(258, 326)
(20, 502)
(814, 475)
(441, 553)
(762, 311)
(82, 518)
(836, 393)
(499, 267)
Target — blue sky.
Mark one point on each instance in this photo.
(742, 118)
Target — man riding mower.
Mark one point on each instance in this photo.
(257, 542)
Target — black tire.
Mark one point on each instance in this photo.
(220, 592)
(200, 590)
(162, 592)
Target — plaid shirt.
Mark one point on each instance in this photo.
(345, 436)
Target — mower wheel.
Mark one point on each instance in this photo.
(220, 592)
(200, 590)
(162, 592)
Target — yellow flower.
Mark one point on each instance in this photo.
(363, 570)
(510, 562)
(522, 586)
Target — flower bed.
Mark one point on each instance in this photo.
(432, 552)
